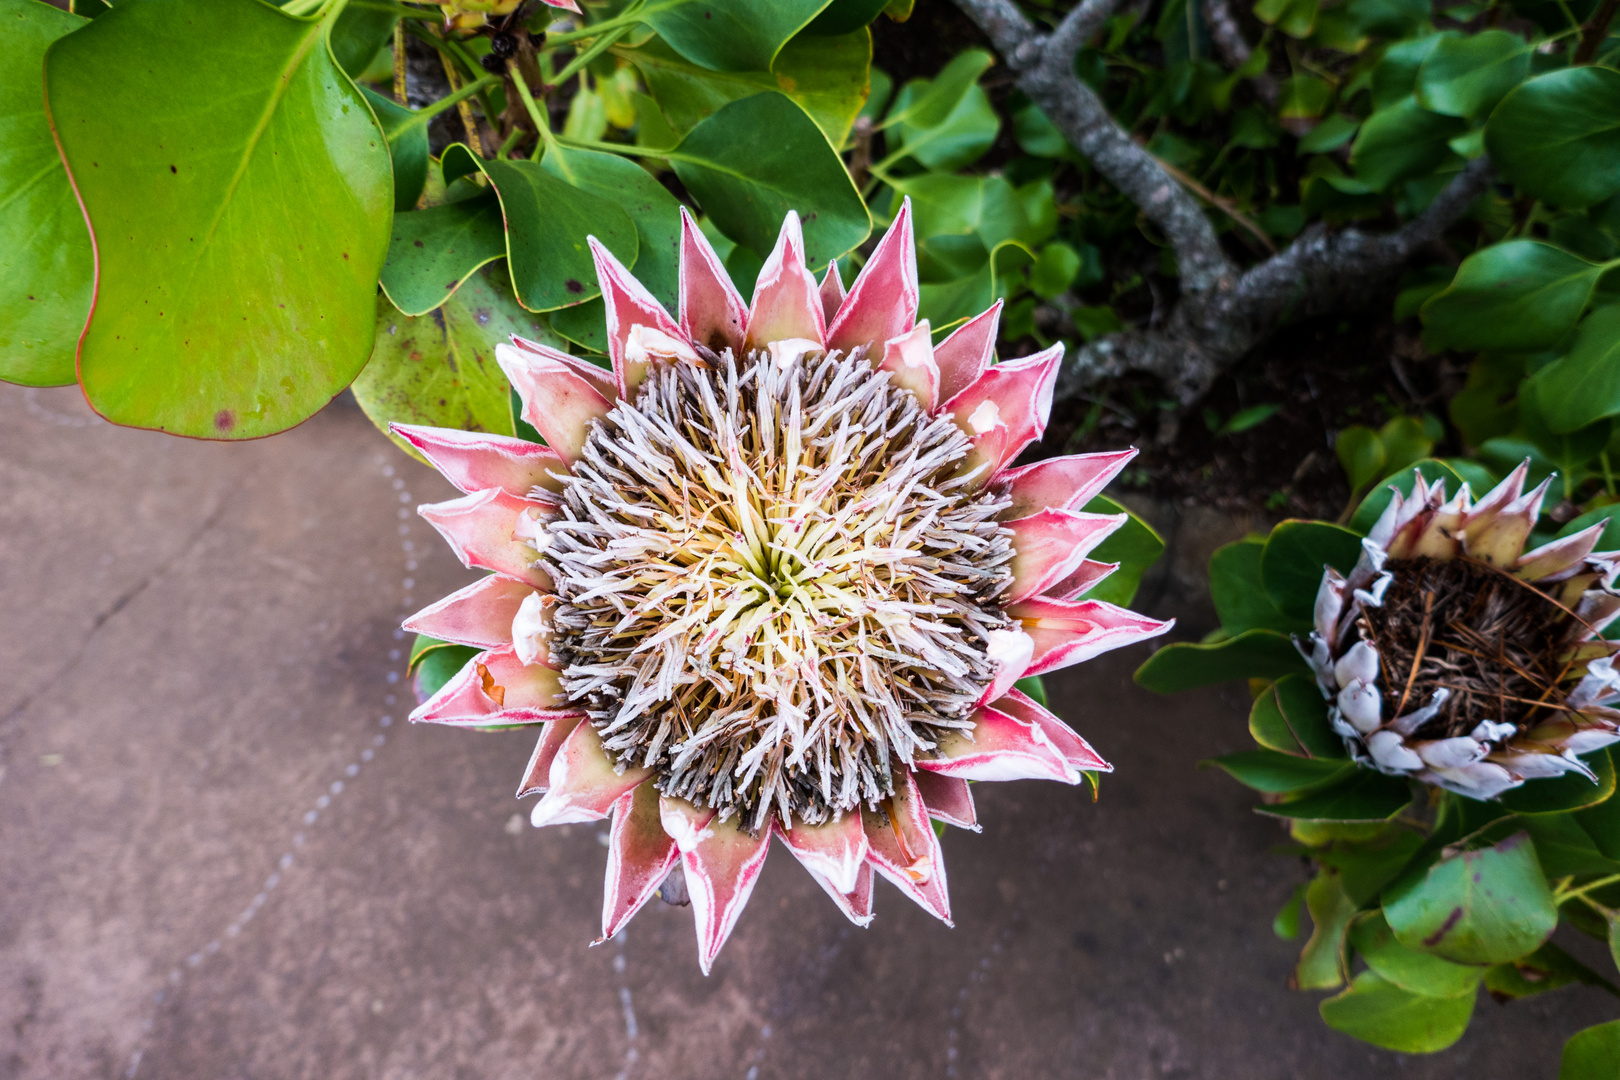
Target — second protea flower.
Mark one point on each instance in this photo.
(1452, 655)
(773, 575)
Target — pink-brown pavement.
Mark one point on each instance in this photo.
(224, 854)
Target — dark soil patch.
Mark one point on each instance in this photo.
(1323, 376)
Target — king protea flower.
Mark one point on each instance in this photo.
(772, 574)
(1452, 655)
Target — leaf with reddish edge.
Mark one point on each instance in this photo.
(1062, 483)
(966, 354)
(1005, 409)
(496, 689)
(640, 856)
(910, 357)
(476, 461)
(712, 310)
(1075, 750)
(882, 304)
(856, 904)
(1068, 632)
(1050, 545)
(479, 615)
(602, 379)
(832, 292)
(583, 783)
(787, 301)
(948, 798)
(721, 868)
(1081, 580)
(537, 776)
(479, 527)
(1003, 747)
(557, 401)
(629, 304)
(905, 850)
(834, 849)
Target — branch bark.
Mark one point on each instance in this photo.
(1223, 312)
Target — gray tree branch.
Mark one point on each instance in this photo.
(1222, 312)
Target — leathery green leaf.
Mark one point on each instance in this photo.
(1517, 296)
(1375, 1010)
(434, 250)
(1478, 907)
(1290, 716)
(1273, 772)
(655, 212)
(1240, 598)
(239, 236)
(1413, 970)
(1592, 1054)
(1255, 654)
(731, 35)
(1292, 564)
(1558, 135)
(1321, 962)
(1361, 795)
(439, 369)
(1583, 386)
(46, 267)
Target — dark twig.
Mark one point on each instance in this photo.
(1234, 47)
(1596, 31)
(1223, 312)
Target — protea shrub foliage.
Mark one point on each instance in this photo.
(1435, 704)
(773, 573)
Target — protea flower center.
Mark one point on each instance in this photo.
(775, 581)
(1452, 655)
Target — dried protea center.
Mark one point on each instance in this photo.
(1495, 644)
(775, 581)
(1452, 655)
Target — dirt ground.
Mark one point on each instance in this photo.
(223, 854)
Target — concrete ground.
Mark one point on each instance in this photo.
(224, 855)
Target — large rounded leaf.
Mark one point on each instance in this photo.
(1377, 1011)
(440, 369)
(827, 76)
(1518, 296)
(1292, 564)
(1480, 907)
(1558, 136)
(1290, 715)
(1592, 1054)
(407, 135)
(1467, 74)
(238, 235)
(731, 35)
(1256, 654)
(46, 269)
(655, 212)
(434, 250)
(1400, 141)
(1583, 386)
(547, 221)
(756, 159)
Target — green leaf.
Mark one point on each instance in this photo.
(1321, 962)
(1563, 845)
(1395, 77)
(1255, 654)
(407, 135)
(1244, 419)
(1558, 136)
(1479, 907)
(1583, 386)
(1401, 141)
(957, 141)
(1363, 795)
(547, 221)
(360, 31)
(433, 251)
(960, 220)
(1240, 597)
(1467, 74)
(843, 17)
(437, 665)
(1134, 545)
(1361, 452)
(1592, 1054)
(1406, 441)
(826, 76)
(1290, 716)
(1413, 970)
(1379, 1012)
(1561, 794)
(655, 212)
(47, 270)
(932, 101)
(239, 235)
(1296, 551)
(1285, 924)
(440, 369)
(1517, 296)
(1366, 515)
(1303, 97)
(731, 35)
(1275, 773)
(1034, 687)
(1330, 134)
(1548, 968)
(1056, 266)
(1568, 452)
(1367, 865)
(747, 184)
(1296, 18)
